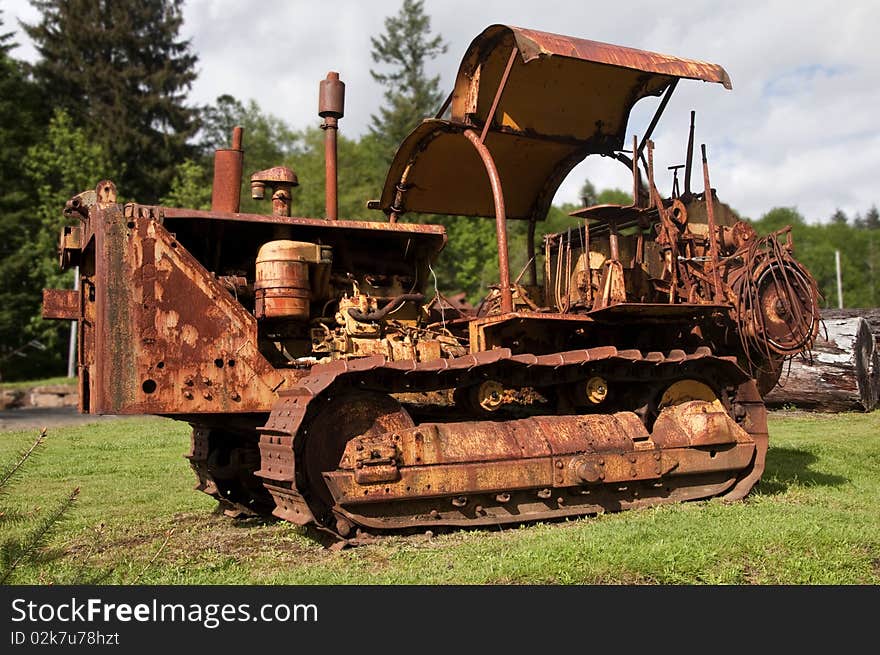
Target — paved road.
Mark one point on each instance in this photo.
(34, 418)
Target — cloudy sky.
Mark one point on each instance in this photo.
(798, 129)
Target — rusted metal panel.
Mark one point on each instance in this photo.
(534, 44)
(428, 482)
(545, 473)
(170, 339)
(401, 240)
(567, 66)
(445, 174)
(71, 246)
(694, 424)
(534, 144)
(550, 451)
(62, 304)
(353, 226)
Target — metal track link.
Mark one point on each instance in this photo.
(232, 503)
(198, 460)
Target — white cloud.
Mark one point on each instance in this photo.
(798, 129)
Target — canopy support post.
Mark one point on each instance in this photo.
(657, 114)
(500, 219)
(498, 93)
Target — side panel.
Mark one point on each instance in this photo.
(169, 338)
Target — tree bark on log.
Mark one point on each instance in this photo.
(842, 375)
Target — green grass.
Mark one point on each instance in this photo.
(27, 384)
(813, 520)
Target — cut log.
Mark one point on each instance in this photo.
(871, 315)
(843, 373)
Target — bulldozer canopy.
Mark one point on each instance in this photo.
(562, 99)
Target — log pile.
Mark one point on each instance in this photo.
(843, 372)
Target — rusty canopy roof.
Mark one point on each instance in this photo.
(564, 98)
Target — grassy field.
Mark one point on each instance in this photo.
(815, 519)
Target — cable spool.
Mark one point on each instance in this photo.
(787, 313)
(778, 308)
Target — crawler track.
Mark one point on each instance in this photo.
(224, 462)
(636, 380)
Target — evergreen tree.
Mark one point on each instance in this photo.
(872, 218)
(61, 164)
(405, 46)
(22, 116)
(267, 138)
(588, 194)
(120, 70)
(839, 217)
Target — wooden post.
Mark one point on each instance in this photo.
(839, 280)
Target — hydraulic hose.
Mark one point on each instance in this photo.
(379, 314)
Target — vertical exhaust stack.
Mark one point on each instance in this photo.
(713, 230)
(331, 106)
(226, 189)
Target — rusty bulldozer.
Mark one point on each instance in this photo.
(327, 385)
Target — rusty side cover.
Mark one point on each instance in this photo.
(564, 98)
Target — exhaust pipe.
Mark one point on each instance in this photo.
(331, 105)
(226, 189)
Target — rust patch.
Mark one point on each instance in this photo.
(62, 304)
